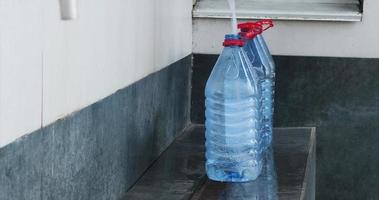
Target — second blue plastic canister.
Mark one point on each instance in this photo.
(261, 59)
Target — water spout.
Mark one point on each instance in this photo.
(68, 8)
(232, 5)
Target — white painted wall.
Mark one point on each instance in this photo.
(303, 38)
(50, 68)
(20, 68)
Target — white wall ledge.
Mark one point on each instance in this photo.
(304, 11)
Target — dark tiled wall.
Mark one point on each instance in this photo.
(340, 96)
(100, 151)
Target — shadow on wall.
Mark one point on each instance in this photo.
(338, 95)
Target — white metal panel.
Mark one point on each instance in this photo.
(247, 9)
(20, 68)
(303, 38)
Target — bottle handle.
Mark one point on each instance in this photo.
(266, 24)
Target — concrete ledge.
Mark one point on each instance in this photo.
(179, 173)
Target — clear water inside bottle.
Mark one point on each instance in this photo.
(233, 119)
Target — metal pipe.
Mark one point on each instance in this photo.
(69, 9)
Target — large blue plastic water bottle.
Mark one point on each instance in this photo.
(261, 58)
(232, 116)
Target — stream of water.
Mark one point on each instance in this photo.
(232, 5)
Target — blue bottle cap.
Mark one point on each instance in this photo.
(232, 37)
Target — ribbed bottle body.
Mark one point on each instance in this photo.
(233, 120)
(267, 111)
(268, 91)
(259, 56)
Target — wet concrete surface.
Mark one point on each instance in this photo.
(180, 173)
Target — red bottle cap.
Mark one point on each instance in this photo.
(248, 35)
(249, 30)
(258, 26)
(233, 42)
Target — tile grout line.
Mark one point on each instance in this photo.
(42, 87)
